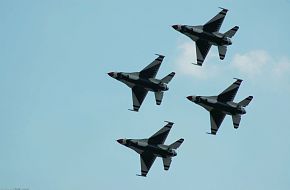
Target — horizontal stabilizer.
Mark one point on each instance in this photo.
(222, 51)
(231, 32)
(168, 78)
(158, 97)
(166, 162)
(176, 144)
(246, 101)
(236, 120)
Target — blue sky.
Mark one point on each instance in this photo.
(61, 113)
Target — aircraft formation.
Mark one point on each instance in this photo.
(218, 106)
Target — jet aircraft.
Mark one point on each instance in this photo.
(207, 35)
(152, 147)
(222, 105)
(144, 81)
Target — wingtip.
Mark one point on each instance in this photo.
(133, 110)
(223, 8)
(238, 79)
(169, 122)
(159, 55)
(197, 64)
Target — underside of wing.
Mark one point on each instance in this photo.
(202, 49)
(216, 119)
(215, 23)
(138, 95)
(230, 93)
(146, 159)
(151, 70)
(160, 136)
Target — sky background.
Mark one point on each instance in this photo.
(60, 113)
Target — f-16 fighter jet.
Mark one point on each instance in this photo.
(144, 81)
(152, 147)
(223, 104)
(207, 35)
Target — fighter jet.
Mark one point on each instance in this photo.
(152, 147)
(223, 104)
(144, 81)
(207, 35)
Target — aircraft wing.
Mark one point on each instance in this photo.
(216, 119)
(151, 70)
(215, 23)
(138, 95)
(147, 159)
(202, 48)
(229, 93)
(160, 136)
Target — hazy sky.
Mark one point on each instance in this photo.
(61, 113)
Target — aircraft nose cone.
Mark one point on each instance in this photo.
(190, 98)
(175, 27)
(120, 141)
(111, 74)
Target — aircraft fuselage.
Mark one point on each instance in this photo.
(197, 33)
(141, 145)
(133, 79)
(229, 108)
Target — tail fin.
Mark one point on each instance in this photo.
(168, 78)
(246, 101)
(231, 32)
(176, 144)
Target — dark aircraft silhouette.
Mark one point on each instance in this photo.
(207, 35)
(152, 147)
(144, 81)
(222, 105)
